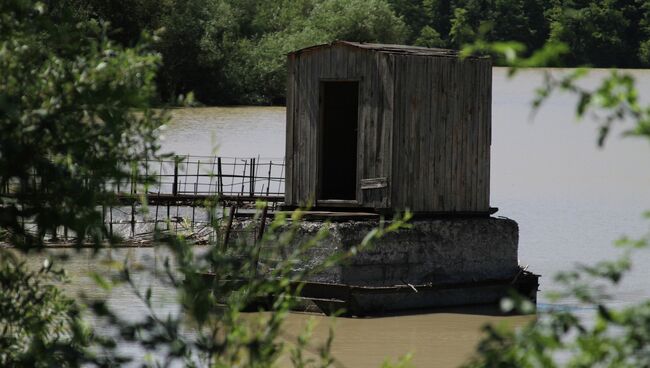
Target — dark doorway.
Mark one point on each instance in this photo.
(339, 108)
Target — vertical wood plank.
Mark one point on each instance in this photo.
(430, 152)
(438, 112)
(488, 123)
(474, 123)
(462, 139)
(449, 132)
(387, 91)
(314, 121)
(421, 131)
(288, 182)
(305, 115)
(363, 114)
(465, 99)
(480, 141)
(339, 64)
(407, 146)
(396, 172)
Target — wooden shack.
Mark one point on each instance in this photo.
(388, 128)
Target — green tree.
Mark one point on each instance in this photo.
(75, 117)
(67, 95)
(196, 44)
(259, 62)
(594, 31)
(438, 13)
(518, 20)
(462, 31)
(128, 18)
(429, 37)
(644, 32)
(230, 52)
(415, 14)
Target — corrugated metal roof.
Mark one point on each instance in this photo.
(386, 48)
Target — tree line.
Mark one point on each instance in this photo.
(233, 51)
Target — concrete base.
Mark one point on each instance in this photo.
(433, 252)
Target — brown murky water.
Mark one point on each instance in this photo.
(435, 339)
(571, 200)
(441, 338)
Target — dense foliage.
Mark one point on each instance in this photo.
(233, 51)
(599, 33)
(68, 126)
(67, 95)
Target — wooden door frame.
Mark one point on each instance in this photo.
(319, 132)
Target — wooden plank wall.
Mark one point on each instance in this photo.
(424, 124)
(442, 134)
(306, 71)
(376, 125)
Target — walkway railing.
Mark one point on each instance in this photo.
(187, 178)
(177, 190)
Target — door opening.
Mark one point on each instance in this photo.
(338, 153)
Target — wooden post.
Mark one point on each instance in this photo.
(251, 186)
(134, 173)
(196, 184)
(103, 221)
(187, 173)
(146, 171)
(219, 177)
(281, 174)
(196, 190)
(243, 176)
(159, 183)
(175, 185)
(110, 224)
(268, 182)
(133, 219)
(211, 176)
(168, 218)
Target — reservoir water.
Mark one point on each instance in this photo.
(571, 199)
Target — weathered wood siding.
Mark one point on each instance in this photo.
(374, 148)
(442, 134)
(424, 128)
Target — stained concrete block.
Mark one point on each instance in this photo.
(431, 251)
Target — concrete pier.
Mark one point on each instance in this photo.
(431, 251)
(434, 263)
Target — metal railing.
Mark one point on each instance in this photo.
(176, 190)
(201, 176)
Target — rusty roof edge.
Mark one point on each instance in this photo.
(389, 48)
